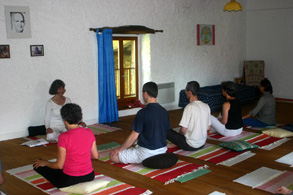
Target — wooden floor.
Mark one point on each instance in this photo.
(219, 179)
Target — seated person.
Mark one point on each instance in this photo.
(1, 175)
(284, 190)
(149, 128)
(266, 106)
(53, 122)
(76, 148)
(194, 124)
(231, 122)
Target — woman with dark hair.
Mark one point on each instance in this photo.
(53, 121)
(265, 108)
(76, 148)
(231, 122)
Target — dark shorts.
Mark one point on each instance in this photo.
(180, 141)
(59, 179)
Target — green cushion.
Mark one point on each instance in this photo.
(238, 145)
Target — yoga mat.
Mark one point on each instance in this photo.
(219, 137)
(285, 179)
(287, 159)
(262, 128)
(105, 149)
(264, 141)
(38, 137)
(258, 177)
(98, 129)
(28, 175)
(181, 172)
(215, 154)
(252, 122)
(267, 179)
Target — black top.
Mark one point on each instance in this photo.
(152, 124)
(234, 115)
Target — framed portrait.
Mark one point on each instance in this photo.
(37, 50)
(17, 20)
(205, 34)
(4, 51)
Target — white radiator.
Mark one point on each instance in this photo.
(166, 93)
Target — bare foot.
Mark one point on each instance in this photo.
(171, 145)
(212, 130)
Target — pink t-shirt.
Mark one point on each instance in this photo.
(78, 143)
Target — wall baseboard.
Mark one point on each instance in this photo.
(284, 100)
(13, 135)
(122, 113)
(133, 111)
(128, 112)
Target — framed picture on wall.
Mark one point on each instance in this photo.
(17, 20)
(4, 51)
(37, 50)
(205, 34)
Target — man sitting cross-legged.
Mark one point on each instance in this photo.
(149, 128)
(195, 122)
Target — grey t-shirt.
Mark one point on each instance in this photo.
(265, 109)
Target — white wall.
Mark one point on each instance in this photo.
(62, 26)
(269, 38)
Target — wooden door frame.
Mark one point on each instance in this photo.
(122, 102)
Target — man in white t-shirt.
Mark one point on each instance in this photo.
(195, 122)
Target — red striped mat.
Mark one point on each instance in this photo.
(267, 179)
(285, 179)
(264, 141)
(215, 154)
(180, 169)
(28, 175)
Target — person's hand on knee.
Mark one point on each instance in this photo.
(115, 158)
(51, 137)
(49, 130)
(114, 155)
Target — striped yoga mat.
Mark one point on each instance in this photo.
(28, 175)
(267, 179)
(181, 172)
(259, 128)
(215, 154)
(263, 141)
(105, 149)
(98, 129)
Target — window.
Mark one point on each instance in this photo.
(126, 71)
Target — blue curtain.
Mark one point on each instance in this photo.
(108, 110)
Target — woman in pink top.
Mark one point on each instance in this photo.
(76, 148)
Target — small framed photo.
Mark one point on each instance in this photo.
(4, 51)
(37, 50)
